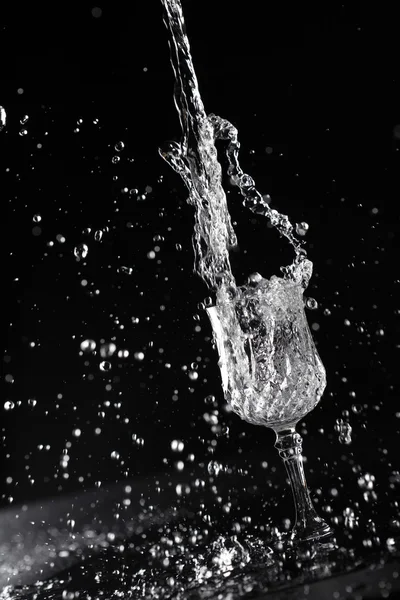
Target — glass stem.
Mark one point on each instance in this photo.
(308, 524)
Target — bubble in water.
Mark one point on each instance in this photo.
(123, 353)
(8, 405)
(302, 228)
(23, 132)
(32, 402)
(37, 218)
(107, 350)
(88, 346)
(115, 455)
(3, 118)
(119, 146)
(105, 365)
(98, 235)
(311, 303)
(24, 119)
(81, 251)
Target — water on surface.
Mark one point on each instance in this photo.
(189, 552)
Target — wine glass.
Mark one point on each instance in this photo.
(271, 372)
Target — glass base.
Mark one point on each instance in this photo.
(313, 530)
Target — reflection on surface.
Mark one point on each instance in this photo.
(180, 543)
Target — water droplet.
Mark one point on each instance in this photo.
(139, 355)
(350, 519)
(98, 235)
(344, 429)
(88, 346)
(366, 482)
(254, 278)
(23, 132)
(3, 118)
(177, 446)
(302, 228)
(115, 455)
(246, 181)
(105, 365)
(32, 402)
(107, 350)
(193, 375)
(8, 405)
(81, 251)
(214, 468)
(24, 119)
(210, 400)
(311, 303)
(126, 270)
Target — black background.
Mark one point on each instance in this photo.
(318, 87)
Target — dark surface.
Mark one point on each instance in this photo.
(97, 566)
(317, 86)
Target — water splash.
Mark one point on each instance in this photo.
(195, 159)
(271, 371)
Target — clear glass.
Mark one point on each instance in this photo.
(272, 374)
